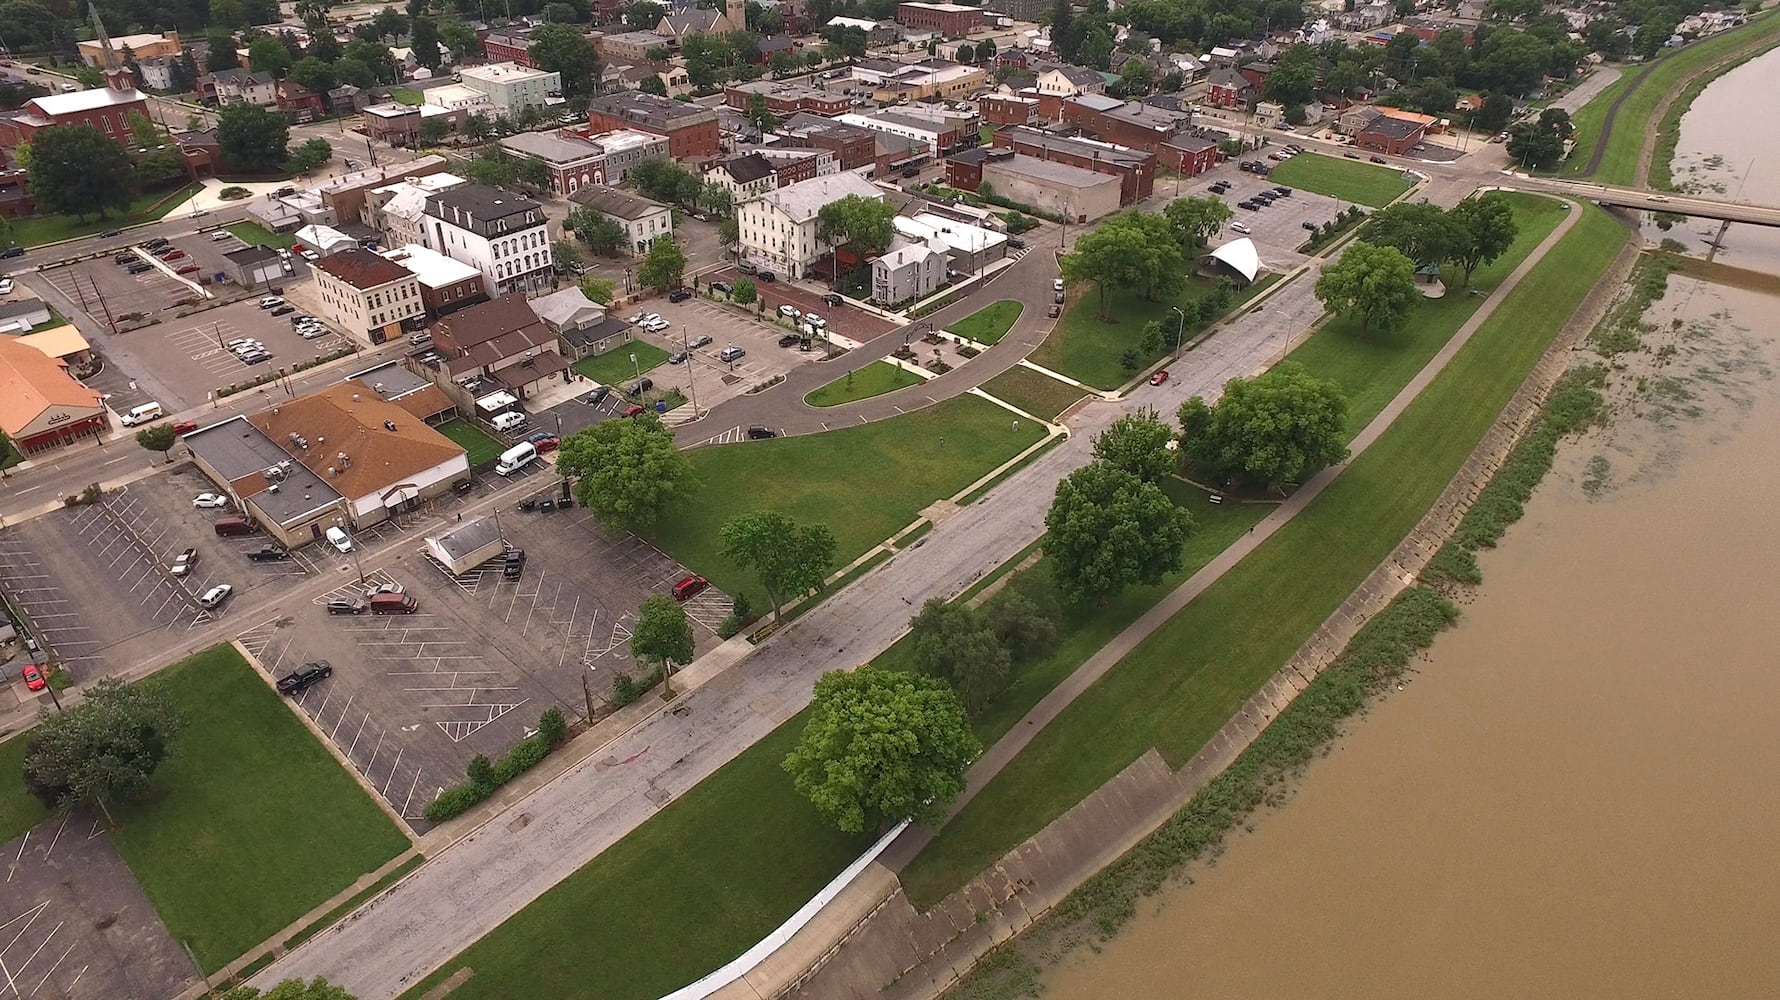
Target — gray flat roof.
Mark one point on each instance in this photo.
(390, 380)
(1050, 170)
(463, 539)
(236, 448)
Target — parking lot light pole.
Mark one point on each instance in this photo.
(1180, 330)
(691, 369)
(353, 542)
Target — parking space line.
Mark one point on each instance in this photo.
(384, 791)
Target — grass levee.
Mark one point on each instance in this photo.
(250, 823)
(874, 379)
(1183, 682)
(1035, 392)
(988, 324)
(478, 445)
(1342, 179)
(36, 230)
(908, 461)
(615, 366)
(705, 878)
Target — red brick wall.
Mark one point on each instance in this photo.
(1378, 142)
(502, 52)
(963, 175)
(796, 170)
(683, 143)
(946, 22)
(1135, 182)
(1003, 112)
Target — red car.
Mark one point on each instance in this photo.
(185, 427)
(1159, 378)
(187, 269)
(34, 678)
(175, 255)
(690, 587)
(635, 410)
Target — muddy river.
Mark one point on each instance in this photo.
(1573, 795)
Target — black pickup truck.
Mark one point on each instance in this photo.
(295, 681)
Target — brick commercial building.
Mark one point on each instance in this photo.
(512, 44)
(1145, 127)
(1193, 152)
(1387, 134)
(691, 131)
(369, 296)
(855, 147)
(446, 285)
(1229, 89)
(573, 161)
(512, 88)
(41, 405)
(1008, 109)
(785, 98)
(633, 46)
(345, 196)
(1136, 168)
(949, 19)
(1058, 188)
(107, 109)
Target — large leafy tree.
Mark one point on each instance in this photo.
(160, 437)
(1374, 283)
(1281, 426)
(1539, 142)
(665, 180)
(1139, 444)
(1196, 220)
(602, 234)
(882, 745)
(629, 471)
(955, 644)
(562, 48)
(269, 55)
(312, 154)
(315, 74)
(789, 558)
(77, 169)
(425, 41)
(663, 634)
(864, 224)
(1109, 529)
(222, 50)
(102, 750)
(665, 265)
(1423, 232)
(1485, 229)
(252, 138)
(1131, 250)
(292, 989)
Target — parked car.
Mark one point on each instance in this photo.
(690, 587)
(731, 354)
(270, 301)
(1054, 310)
(545, 442)
(1248, 205)
(33, 677)
(597, 396)
(208, 500)
(269, 553)
(790, 340)
(1283, 192)
(677, 358)
(1376, 159)
(185, 427)
(309, 673)
(721, 286)
(680, 295)
(174, 255)
(747, 267)
(1307, 224)
(815, 320)
(1057, 297)
(635, 410)
(513, 564)
(790, 311)
(767, 277)
(831, 299)
(1239, 227)
(640, 386)
(656, 325)
(1159, 378)
(183, 563)
(5, 286)
(220, 235)
(187, 269)
(1056, 284)
(339, 539)
(760, 432)
(215, 596)
(1351, 156)
(346, 606)
(139, 268)
(702, 340)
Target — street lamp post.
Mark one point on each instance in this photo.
(1180, 330)
(352, 546)
(691, 369)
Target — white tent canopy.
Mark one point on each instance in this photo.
(325, 239)
(1240, 256)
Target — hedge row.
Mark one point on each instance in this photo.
(486, 776)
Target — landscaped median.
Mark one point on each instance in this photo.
(1182, 683)
(874, 379)
(1093, 346)
(1034, 392)
(1341, 179)
(988, 324)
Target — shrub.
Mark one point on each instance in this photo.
(552, 727)
(729, 627)
(454, 801)
(740, 608)
(626, 690)
(481, 772)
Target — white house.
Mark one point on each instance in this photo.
(744, 176)
(778, 229)
(501, 234)
(1070, 81)
(395, 210)
(238, 86)
(157, 72)
(367, 295)
(910, 270)
(644, 221)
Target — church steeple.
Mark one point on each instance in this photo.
(117, 75)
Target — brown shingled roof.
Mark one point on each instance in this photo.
(362, 269)
(385, 445)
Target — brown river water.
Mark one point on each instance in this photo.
(1573, 794)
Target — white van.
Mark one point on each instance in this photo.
(142, 415)
(508, 421)
(515, 458)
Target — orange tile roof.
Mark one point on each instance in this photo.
(353, 419)
(32, 382)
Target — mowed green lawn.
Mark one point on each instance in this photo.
(874, 379)
(692, 888)
(18, 810)
(988, 324)
(615, 367)
(1035, 392)
(1176, 689)
(1087, 343)
(865, 483)
(477, 445)
(250, 823)
(1340, 178)
(253, 234)
(36, 230)
(1372, 367)
(1637, 116)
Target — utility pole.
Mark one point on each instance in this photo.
(691, 369)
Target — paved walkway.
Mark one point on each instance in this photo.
(1085, 676)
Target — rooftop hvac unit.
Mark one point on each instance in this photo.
(272, 488)
(332, 472)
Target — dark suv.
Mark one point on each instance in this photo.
(295, 681)
(513, 565)
(346, 606)
(680, 295)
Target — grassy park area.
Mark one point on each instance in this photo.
(1343, 179)
(712, 873)
(1183, 683)
(479, 446)
(988, 324)
(36, 230)
(874, 379)
(1089, 347)
(19, 811)
(250, 822)
(864, 482)
(253, 234)
(615, 367)
(1644, 89)
(1035, 392)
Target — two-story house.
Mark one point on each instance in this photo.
(643, 221)
(500, 233)
(368, 295)
(778, 229)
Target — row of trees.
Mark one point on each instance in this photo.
(1144, 251)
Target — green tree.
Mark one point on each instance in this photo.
(663, 634)
(1282, 426)
(533, 173)
(562, 48)
(664, 267)
(252, 138)
(268, 55)
(882, 745)
(664, 180)
(478, 127)
(629, 470)
(597, 289)
(790, 559)
(566, 254)
(311, 155)
(716, 198)
(311, 72)
(1131, 250)
(1485, 229)
(1196, 220)
(292, 989)
(222, 50)
(424, 39)
(158, 168)
(1374, 283)
(602, 234)
(144, 131)
(744, 292)
(102, 750)
(228, 14)
(760, 115)
(653, 85)
(358, 74)
(985, 51)
(1496, 110)
(459, 37)
(863, 224)
(184, 72)
(433, 130)
(76, 169)
(1421, 231)
(1292, 84)
(1534, 144)
(1138, 443)
(1023, 617)
(955, 644)
(1109, 529)
(160, 437)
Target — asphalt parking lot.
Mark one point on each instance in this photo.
(108, 293)
(843, 320)
(1277, 229)
(75, 924)
(414, 697)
